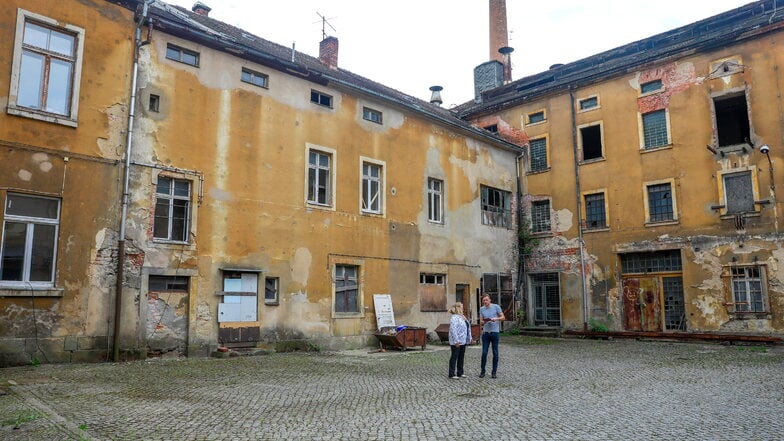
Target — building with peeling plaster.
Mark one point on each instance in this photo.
(652, 179)
(215, 188)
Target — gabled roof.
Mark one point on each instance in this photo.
(719, 31)
(221, 36)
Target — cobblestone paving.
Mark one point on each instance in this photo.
(547, 390)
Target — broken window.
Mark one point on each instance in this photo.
(172, 209)
(253, 77)
(536, 117)
(435, 200)
(651, 86)
(595, 211)
(493, 128)
(748, 288)
(540, 216)
(46, 69)
(155, 103)
(589, 103)
(346, 289)
(271, 290)
(371, 115)
(654, 129)
(29, 242)
(432, 292)
(372, 188)
(321, 99)
(496, 210)
(738, 192)
(660, 207)
(732, 119)
(319, 178)
(240, 296)
(168, 283)
(538, 149)
(182, 55)
(591, 141)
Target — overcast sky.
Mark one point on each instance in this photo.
(411, 45)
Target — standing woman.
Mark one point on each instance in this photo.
(459, 337)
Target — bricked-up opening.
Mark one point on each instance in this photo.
(732, 119)
(328, 52)
(592, 142)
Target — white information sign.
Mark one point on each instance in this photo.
(385, 317)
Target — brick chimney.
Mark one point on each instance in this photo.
(201, 9)
(328, 52)
(499, 37)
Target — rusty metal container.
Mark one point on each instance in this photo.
(409, 337)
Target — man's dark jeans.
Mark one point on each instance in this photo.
(487, 339)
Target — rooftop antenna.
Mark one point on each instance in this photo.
(324, 24)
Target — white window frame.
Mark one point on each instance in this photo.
(435, 201)
(13, 108)
(372, 115)
(30, 223)
(332, 172)
(377, 203)
(171, 197)
(641, 132)
(747, 281)
(254, 75)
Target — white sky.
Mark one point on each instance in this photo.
(411, 45)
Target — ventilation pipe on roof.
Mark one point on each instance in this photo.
(435, 97)
(201, 9)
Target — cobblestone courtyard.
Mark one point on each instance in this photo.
(546, 390)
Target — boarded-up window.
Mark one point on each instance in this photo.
(432, 292)
(738, 192)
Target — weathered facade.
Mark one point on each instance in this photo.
(64, 76)
(270, 194)
(651, 178)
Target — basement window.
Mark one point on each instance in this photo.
(321, 99)
(732, 119)
(182, 55)
(591, 142)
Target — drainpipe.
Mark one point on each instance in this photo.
(520, 248)
(766, 150)
(579, 209)
(138, 43)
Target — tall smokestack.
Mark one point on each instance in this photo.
(499, 37)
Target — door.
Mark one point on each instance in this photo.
(641, 305)
(547, 299)
(462, 293)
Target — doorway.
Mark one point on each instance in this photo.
(547, 299)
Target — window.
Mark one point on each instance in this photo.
(651, 86)
(496, 209)
(182, 55)
(432, 292)
(732, 119)
(168, 283)
(738, 192)
(540, 216)
(435, 200)
(536, 117)
(346, 289)
(492, 128)
(653, 262)
(595, 211)
(155, 103)
(240, 296)
(538, 149)
(371, 115)
(589, 103)
(747, 288)
(660, 203)
(172, 209)
(372, 188)
(320, 98)
(591, 142)
(654, 129)
(46, 69)
(319, 178)
(253, 77)
(271, 290)
(29, 241)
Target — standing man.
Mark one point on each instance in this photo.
(490, 316)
